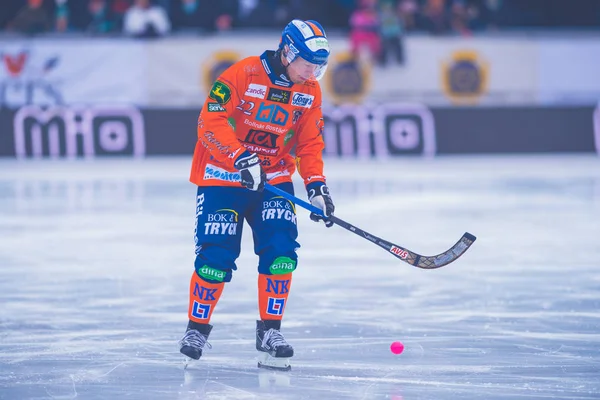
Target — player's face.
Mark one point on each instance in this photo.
(301, 70)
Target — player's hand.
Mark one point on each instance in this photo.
(318, 194)
(252, 174)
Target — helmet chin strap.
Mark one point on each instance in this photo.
(279, 55)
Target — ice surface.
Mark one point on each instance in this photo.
(95, 259)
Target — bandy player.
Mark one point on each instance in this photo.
(261, 121)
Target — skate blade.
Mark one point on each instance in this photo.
(271, 379)
(266, 361)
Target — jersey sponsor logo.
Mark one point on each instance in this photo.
(199, 209)
(209, 137)
(255, 90)
(262, 138)
(319, 177)
(200, 311)
(209, 273)
(264, 127)
(288, 136)
(279, 95)
(214, 172)
(262, 151)
(273, 175)
(278, 286)
(203, 293)
(296, 114)
(221, 222)
(214, 107)
(275, 306)
(220, 92)
(278, 209)
(261, 142)
(399, 252)
(282, 265)
(272, 113)
(302, 100)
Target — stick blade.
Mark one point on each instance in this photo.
(449, 255)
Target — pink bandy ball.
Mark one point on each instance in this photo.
(397, 347)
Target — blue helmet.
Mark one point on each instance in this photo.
(306, 39)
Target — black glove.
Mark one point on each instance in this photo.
(318, 194)
(252, 174)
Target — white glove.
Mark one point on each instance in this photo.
(252, 174)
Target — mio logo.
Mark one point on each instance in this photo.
(74, 131)
(278, 286)
(399, 252)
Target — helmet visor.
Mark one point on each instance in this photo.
(307, 70)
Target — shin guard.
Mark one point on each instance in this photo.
(203, 299)
(273, 292)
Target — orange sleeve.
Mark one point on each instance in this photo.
(310, 145)
(215, 131)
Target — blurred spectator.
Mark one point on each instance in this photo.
(258, 13)
(490, 13)
(145, 20)
(435, 17)
(459, 18)
(118, 8)
(365, 39)
(200, 15)
(100, 21)
(391, 32)
(408, 13)
(31, 19)
(61, 21)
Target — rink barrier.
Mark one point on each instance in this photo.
(369, 131)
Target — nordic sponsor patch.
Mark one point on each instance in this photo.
(220, 92)
(282, 265)
(302, 100)
(214, 107)
(213, 274)
(214, 172)
(255, 90)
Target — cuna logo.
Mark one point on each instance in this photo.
(209, 273)
(282, 265)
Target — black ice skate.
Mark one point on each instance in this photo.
(194, 340)
(275, 352)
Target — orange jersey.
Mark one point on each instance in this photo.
(251, 107)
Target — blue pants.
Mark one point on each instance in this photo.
(220, 215)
